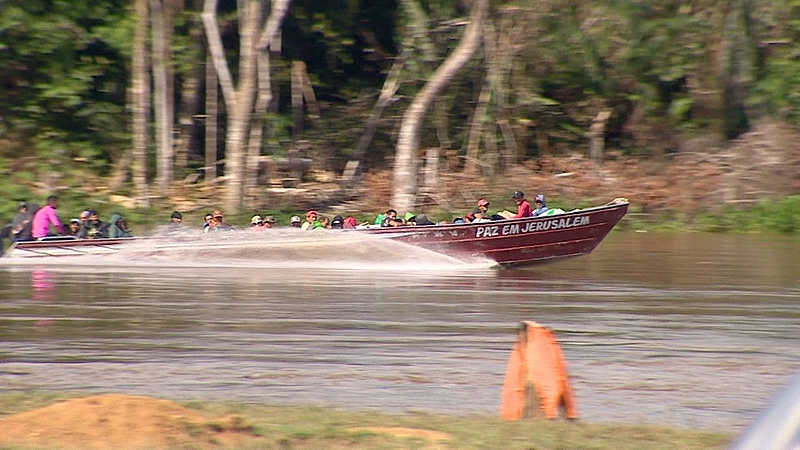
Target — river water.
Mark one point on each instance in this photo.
(682, 329)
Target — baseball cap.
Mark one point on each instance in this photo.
(256, 219)
(269, 219)
(483, 202)
(337, 221)
(518, 194)
(295, 219)
(22, 205)
(176, 215)
(217, 213)
(311, 212)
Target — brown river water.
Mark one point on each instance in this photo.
(690, 330)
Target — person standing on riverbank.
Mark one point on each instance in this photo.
(45, 217)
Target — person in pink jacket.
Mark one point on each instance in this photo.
(45, 217)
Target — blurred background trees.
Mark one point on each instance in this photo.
(126, 90)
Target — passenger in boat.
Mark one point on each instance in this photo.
(221, 225)
(20, 228)
(422, 219)
(8, 231)
(478, 216)
(541, 205)
(523, 207)
(311, 221)
(350, 223)
(337, 222)
(209, 223)
(93, 227)
(256, 222)
(295, 221)
(84, 217)
(323, 223)
(391, 219)
(268, 222)
(74, 227)
(44, 218)
(483, 205)
(118, 227)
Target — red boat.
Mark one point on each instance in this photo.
(64, 246)
(512, 242)
(527, 241)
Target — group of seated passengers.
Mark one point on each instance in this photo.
(33, 222)
(478, 215)
(214, 221)
(316, 222)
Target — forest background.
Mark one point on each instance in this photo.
(690, 109)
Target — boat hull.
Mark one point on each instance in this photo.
(514, 242)
(61, 246)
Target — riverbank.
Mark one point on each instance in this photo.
(750, 185)
(56, 421)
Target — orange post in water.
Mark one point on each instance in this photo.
(536, 380)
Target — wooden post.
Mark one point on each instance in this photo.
(597, 135)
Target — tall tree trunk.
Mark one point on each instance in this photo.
(191, 92)
(162, 98)
(238, 100)
(390, 86)
(405, 164)
(266, 42)
(212, 116)
(476, 129)
(140, 97)
(257, 125)
(297, 99)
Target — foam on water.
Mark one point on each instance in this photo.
(279, 249)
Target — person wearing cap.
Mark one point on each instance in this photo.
(541, 205)
(337, 222)
(483, 205)
(479, 216)
(74, 227)
(311, 221)
(256, 221)
(523, 207)
(295, 221)
(44, 218)
(92, 227)
(176, 218)
(268, 222)
(220, 224)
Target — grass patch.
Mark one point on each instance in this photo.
(314, 427)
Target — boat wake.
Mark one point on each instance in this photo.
(282, 248)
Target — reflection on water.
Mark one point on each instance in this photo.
(691, 330)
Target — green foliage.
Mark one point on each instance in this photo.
(766, 216)
(64, 81)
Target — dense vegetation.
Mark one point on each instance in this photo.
(647, 75)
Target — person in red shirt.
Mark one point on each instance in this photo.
(523, 207)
